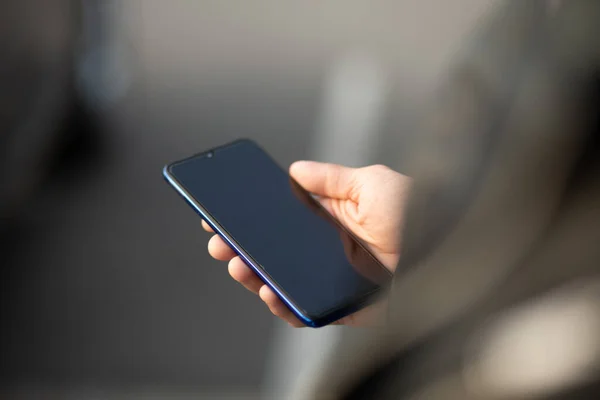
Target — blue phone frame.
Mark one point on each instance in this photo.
(305, 318)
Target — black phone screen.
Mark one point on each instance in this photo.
(319, 265)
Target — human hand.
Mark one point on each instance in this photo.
(368, 201)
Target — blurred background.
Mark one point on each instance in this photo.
(106, 288)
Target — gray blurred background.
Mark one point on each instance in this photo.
(107, 286)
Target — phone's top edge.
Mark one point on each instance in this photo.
(167, 168)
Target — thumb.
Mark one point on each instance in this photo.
(328, 180)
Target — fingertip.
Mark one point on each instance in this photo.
(237, 269)
(271, 300)
(295, 323)
(206, 227)
(219, 250)
(241, 273)
(265, 293)
(277, 307)
(299, 167)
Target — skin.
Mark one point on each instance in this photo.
(369, 201)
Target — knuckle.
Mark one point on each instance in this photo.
(379, 168)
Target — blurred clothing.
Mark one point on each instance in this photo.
(497, 295)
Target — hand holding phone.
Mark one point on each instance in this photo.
(368, 201)
(332, 270)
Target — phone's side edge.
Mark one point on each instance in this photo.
(239, 251)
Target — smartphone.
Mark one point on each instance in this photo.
(319, 269)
